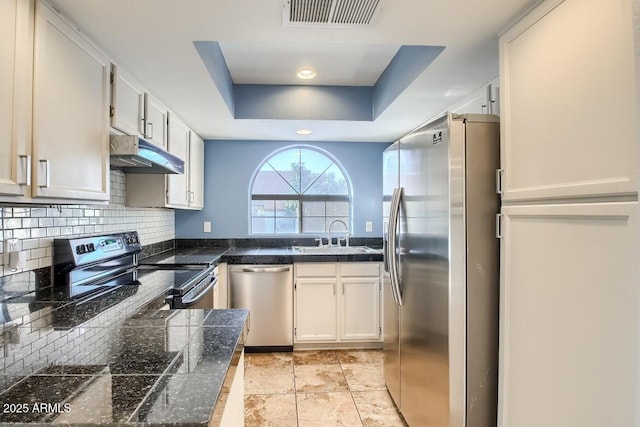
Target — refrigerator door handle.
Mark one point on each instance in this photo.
(385, 246)
(392, 247)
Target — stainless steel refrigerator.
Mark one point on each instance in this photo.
(441, 281)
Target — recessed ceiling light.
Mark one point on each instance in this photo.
(306, 73)
(303, 131)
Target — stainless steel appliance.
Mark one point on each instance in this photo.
(267, 291)
(441, 272)
(133, 154)
(96, 268)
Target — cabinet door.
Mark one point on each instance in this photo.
(315, 309)
(569, 315)
(70, 113)
(178, 144)
(494, 99)
(196, 172)
(233, 413)
(568, 127)
(359, 308)
(16, 53)
(127, 103)
(155, 121)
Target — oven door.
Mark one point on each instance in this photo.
(199, 296)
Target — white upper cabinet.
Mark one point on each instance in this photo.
(155, 121)
(70, 113)
(178, 185)
(127, 102)
(16, 56)
(196, 172)
(568, 102)
(184, 191)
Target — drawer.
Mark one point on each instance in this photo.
(359, 269)
(316, 269)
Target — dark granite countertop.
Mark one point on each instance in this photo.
(285, 255)
(186, 256)
(289, 256)
(131, 363)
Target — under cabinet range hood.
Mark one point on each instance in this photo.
(133, 154)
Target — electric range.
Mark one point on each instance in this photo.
(98, 266)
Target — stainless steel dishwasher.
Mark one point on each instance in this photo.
(267, 291)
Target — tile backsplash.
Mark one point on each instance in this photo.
(36, 227)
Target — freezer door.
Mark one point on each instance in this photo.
(424, 276)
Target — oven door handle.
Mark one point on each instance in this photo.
(187, 300)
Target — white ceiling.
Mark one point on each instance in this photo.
(338, 64)
(153, 41)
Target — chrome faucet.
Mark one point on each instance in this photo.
(346, 229)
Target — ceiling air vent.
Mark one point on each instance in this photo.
(330, 12)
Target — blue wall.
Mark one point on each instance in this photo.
(229, 166)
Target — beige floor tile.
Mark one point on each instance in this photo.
(268, 359)
(270, 410)
(362, 376)
(327, 410)
(376, 409)
(320, 357)
(268, 379)
(319, 378)
(360, 356)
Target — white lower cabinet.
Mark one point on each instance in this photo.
(337, 302)
(359, 308)
(220, 292)
(569, 315)
(316, 309)
(233, 414)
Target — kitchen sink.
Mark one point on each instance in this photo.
(334, 250)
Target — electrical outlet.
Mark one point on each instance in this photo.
(12, 245)
(12, 251)
(207, 226)
(368, 226)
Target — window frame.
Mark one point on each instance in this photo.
(300, 198)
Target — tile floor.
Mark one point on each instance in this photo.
(317, 388)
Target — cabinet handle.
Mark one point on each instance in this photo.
(45, 170)
(27, 168)
(150, 127)
(334, 288)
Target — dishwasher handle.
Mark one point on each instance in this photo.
(265, 269)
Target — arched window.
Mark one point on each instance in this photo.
(300, 189)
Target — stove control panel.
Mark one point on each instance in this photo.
(87, 250)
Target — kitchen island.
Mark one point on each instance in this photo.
(131, 362)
